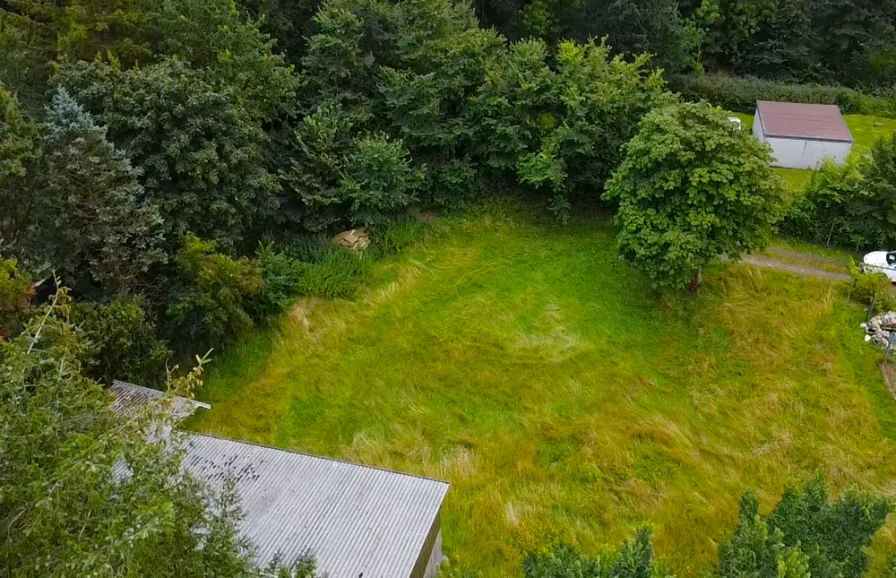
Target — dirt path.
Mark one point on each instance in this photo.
(767, 262)
(799, 263)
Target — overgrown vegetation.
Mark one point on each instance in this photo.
(851, 205)
(693, 186)
(180, 167)
(804, 535)
(65, 506)
(520, 360)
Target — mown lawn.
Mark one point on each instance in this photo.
(521, 361)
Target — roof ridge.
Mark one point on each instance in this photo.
(159, 393)
(317, 456)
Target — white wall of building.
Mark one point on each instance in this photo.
(795, 153)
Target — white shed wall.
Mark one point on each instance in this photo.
(795, 153)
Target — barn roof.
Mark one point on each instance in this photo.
(356, 520)
(130, 399)
(803, 121)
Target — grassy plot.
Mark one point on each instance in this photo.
(524, 363)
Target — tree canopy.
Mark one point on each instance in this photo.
(693, 186)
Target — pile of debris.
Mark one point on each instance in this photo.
(354, 239)
(879, 327)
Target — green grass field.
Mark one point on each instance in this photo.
(866, 130)
(523, 362)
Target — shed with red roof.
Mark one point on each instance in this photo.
(802, 135)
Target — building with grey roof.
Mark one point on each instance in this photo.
(357, 521)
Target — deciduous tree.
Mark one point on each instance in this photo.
(692, 186)
(84, 491)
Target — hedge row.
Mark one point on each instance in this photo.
(741, 93)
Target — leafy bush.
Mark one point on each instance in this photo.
(210, 301)
(121, 341)
(63, 498)
(853, 205)
(741, 93)
(880, 180)
(692, 186)
(634, 560)
(835, 207)
(283, 277)
(870, 288)
(15, 297)
(378, 178)
(805, 535)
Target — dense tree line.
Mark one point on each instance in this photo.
(849, 42)
(172, 162)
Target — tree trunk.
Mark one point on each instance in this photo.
(696, 282)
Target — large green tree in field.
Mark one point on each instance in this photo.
(692, 186)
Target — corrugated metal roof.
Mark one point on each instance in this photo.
(805, 121)
(130, 398)
(356, 520)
